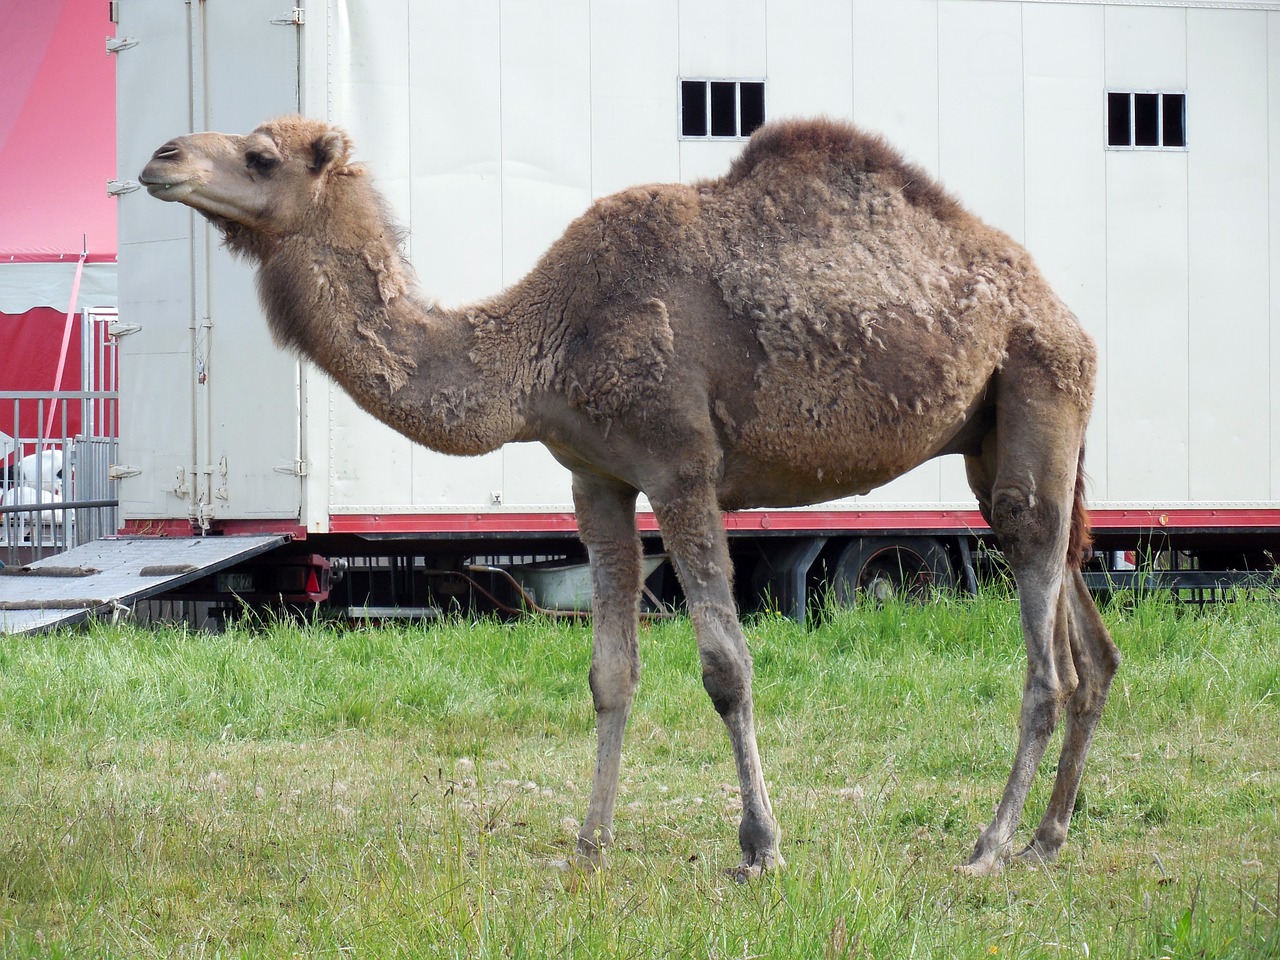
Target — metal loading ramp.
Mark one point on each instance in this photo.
(111, 574)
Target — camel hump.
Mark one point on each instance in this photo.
(814, 146)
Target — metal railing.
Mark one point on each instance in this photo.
(56, 490)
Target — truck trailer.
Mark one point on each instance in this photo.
(1132, 148)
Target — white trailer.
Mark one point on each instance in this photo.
(1134, 148)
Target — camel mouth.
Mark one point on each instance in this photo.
(165, 189)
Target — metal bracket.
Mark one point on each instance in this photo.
(117, 44)
(117, 188)
(118, 471)
(296, 18)
(119, 330)
(294, 468)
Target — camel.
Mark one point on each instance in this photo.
(813, 324)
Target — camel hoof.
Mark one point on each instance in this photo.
(755, 865)
(978, 868)
(1034, 855)
(982, 863)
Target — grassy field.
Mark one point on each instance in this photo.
(280, 791)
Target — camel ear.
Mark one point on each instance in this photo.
(331, 148)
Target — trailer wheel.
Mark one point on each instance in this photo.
(885, 567)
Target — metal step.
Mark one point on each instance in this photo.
(110, 574)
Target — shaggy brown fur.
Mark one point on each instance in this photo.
(811, 325)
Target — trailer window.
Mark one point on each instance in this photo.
(1140, 120)
(720, 109)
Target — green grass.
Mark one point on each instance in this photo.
(280, 791)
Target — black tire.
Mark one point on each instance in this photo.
(884, 567)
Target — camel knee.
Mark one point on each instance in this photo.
(726, 662)
(613, 685)
(726, 676)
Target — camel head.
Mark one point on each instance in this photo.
(255, 187)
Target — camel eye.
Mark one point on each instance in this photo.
(261, 162)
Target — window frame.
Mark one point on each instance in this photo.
(706, 81)
(1132, 145)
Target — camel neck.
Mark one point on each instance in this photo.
(344, 297)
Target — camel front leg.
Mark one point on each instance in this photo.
(607, 525)
(695, 538)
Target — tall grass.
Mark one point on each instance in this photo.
(411, 791)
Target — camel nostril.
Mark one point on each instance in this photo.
(169, 151)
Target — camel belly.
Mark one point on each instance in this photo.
(809, 438)
(827, 464)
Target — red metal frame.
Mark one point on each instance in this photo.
(749, 521)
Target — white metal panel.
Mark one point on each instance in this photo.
(634, 64)
(723, 38)
(369, 463)
(316, 392)
(1147, 264)
(1147, 405)
(895, 74)
(706, 159)
(921, 485)
(955, 482)
(810, 58)
(370, 90)
(457, 227)
(254, 416)
(455, 147)
(546, 126)
(449, 100)
(155, 264)
(980, 109)
(1229, 382)
(1273, 154)
(441, 481)
(1066, 214)
(1146, 48)
(533, 480)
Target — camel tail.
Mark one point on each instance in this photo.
(1081, 537)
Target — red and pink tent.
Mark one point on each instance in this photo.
(57, 222)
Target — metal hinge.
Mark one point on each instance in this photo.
(294, 468)
(117, 188)
(119, 330)
(113, 11)
(118, 471)
(296, 18)
(117, 44)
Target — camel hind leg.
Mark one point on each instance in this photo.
(1025, 481)
(1096, 661)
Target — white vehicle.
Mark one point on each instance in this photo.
(1134, 149)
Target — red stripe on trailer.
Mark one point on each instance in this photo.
(749, 521)
(175, 527)
(1227, 518)
(797, 521)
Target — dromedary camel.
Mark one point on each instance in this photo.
(811, 325)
